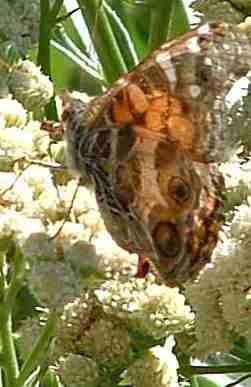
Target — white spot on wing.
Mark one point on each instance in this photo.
(194, 91)
(226, 46)
(204, 30)
(164, 61)
(193, 45)
(208, 61)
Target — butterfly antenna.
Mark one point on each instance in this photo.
(67, 215)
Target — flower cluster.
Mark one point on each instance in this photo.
(84, 329)
(30, 86)
(68, 252)
(87, 329)
(78, 371)
(158, 367)
(156, 310)
(221, 295)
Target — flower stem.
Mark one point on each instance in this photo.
(43, 57)
(2, 278)
(48, 19)
(8, 294)
(38, 352)
(10, 365)
(16, 280)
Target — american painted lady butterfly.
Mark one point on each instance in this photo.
(151, 143)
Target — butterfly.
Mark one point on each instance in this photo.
(151, 144)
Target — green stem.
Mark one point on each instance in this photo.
(9, 357)
(50, 379)
(2, 287)
(47, 22)
(190, 371)
(16, 280)
(103, 39)
(2, 279)
(1, 378)
(10, 367)
(38, 352)
(43, 57)
(194, 381)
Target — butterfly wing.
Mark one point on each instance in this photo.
(197, 71)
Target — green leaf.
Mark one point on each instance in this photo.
(38, 352)
(79, 60)
(124, 39)
(179, 23)
(203, 381)
(172, 18)
(136, 19)
(104, 39)
(63, 38)
(51, 380)
(242, 349)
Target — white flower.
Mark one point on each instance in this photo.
(241, 223)
(69, 234)
(246, 25)
(98, 343)
(16, 142)
(158, 367)
(84, 201)
(77, 317)
(58, 152)
(48, 205)
(113, 260)
(30, 86)
(38, 178)
(41, 138)
(12, 113)
(15, 192)
(236, 171)
(212, 333)
(156, 310)
(13, 224)
(220, 297)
